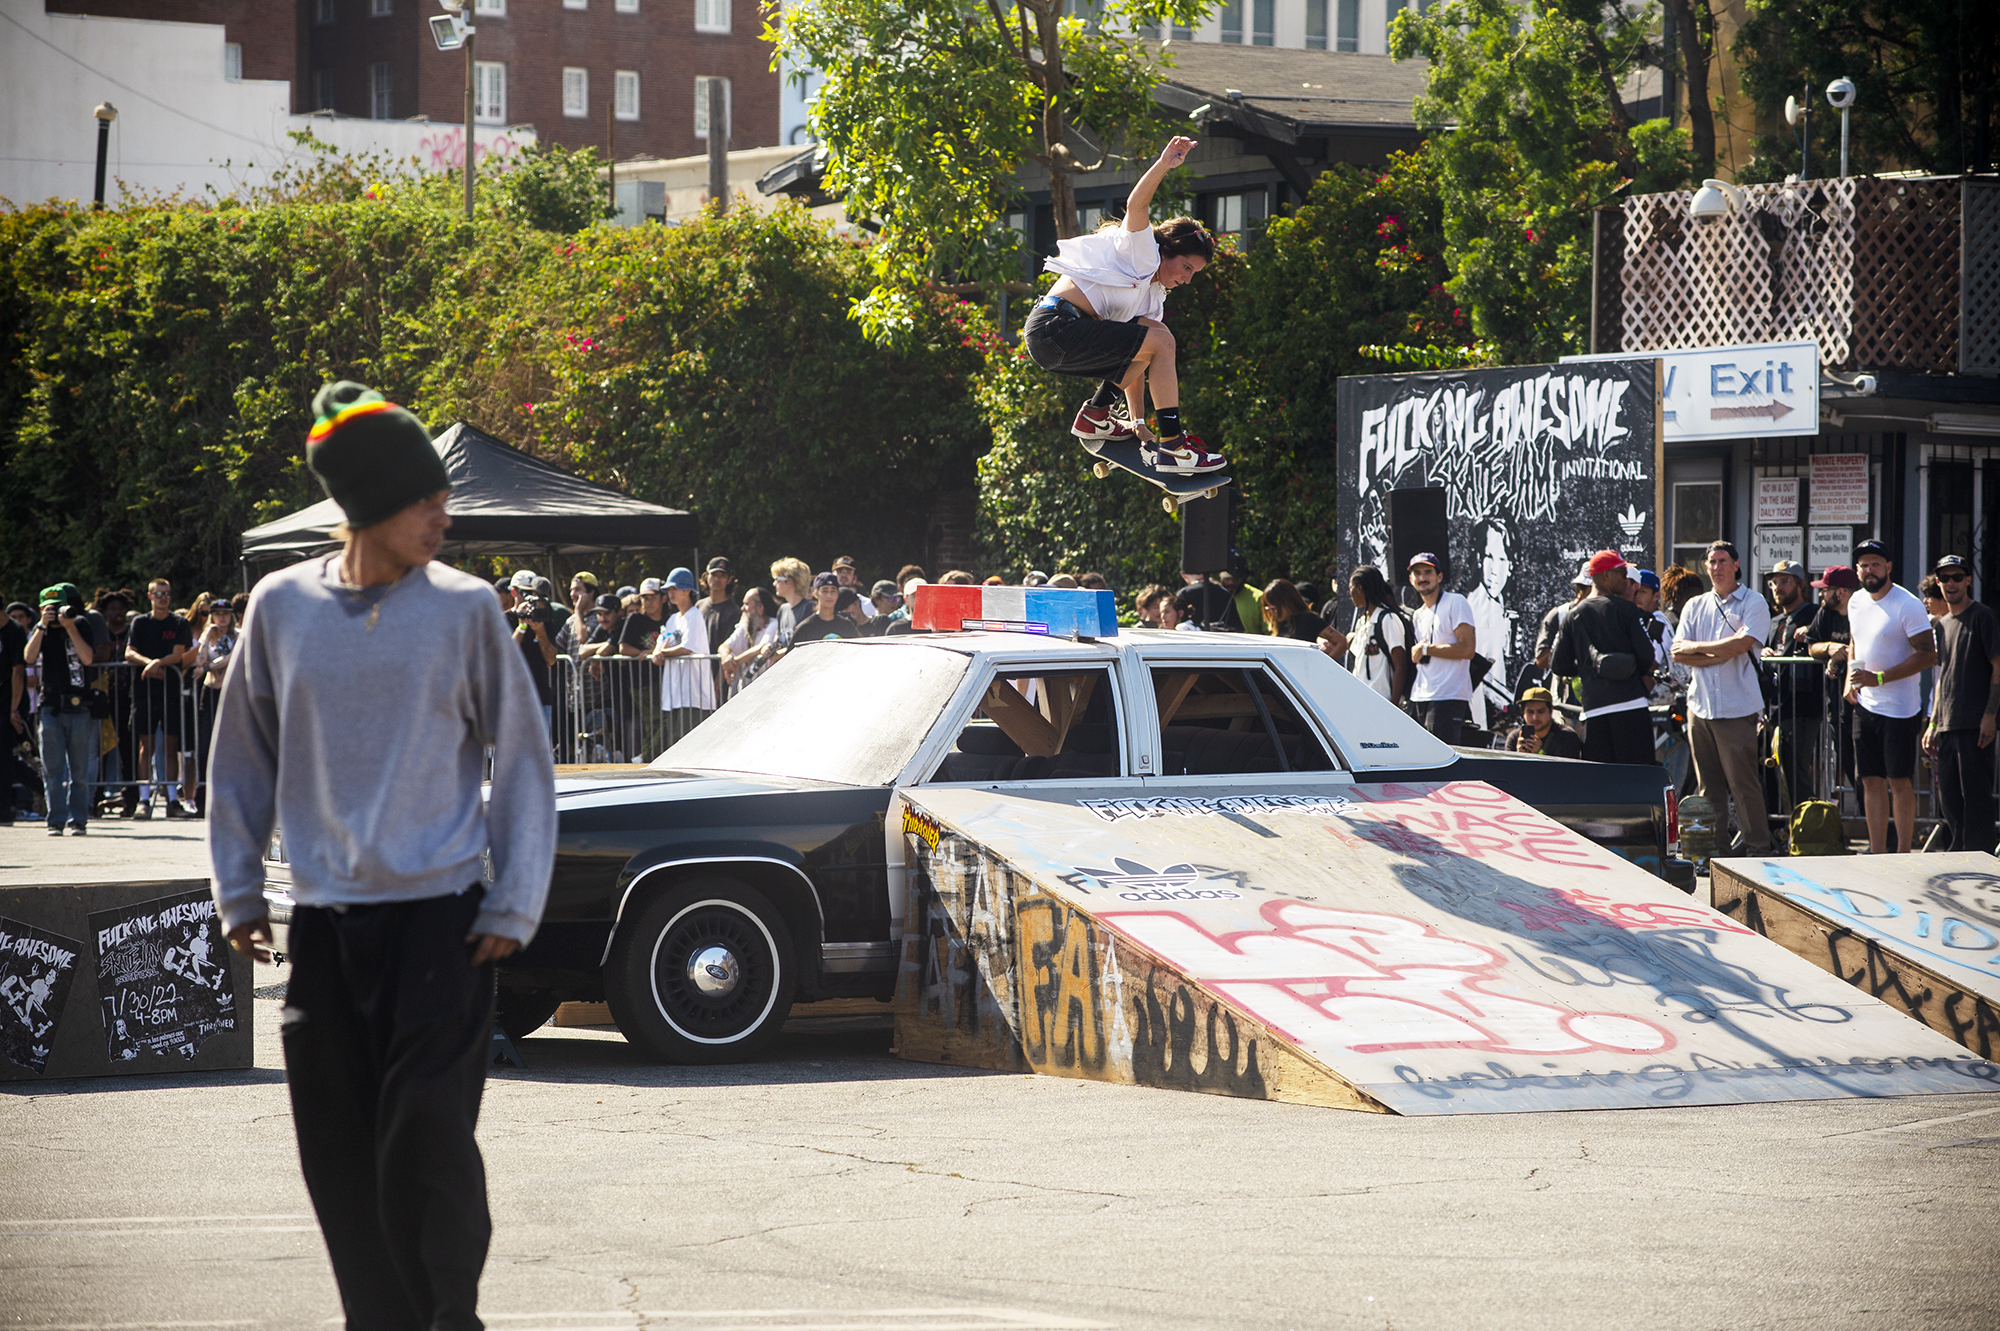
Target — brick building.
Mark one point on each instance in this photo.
(584, 73)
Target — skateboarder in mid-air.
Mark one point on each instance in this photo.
(1102, 320)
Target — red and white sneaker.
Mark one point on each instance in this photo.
(1098, 424)
(1183, 456)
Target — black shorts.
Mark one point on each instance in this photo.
(1064, 339)
(156, 705)
(1886, 746)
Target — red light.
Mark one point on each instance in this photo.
(1673, 818)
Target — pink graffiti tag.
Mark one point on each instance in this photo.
(1586, 908)
(1466, 819)
(1369, 982)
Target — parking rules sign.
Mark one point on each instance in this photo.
(1777, 501)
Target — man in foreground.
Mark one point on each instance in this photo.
(1893, 644)
(1963, 712)
(358, 708)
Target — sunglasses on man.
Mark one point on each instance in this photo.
(1956, 575)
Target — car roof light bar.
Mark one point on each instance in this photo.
(1062, 612)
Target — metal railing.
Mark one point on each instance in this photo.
(609, 709)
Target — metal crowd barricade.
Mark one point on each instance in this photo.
(607, 708)
(180, 711)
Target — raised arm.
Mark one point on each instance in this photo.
(1141, 197)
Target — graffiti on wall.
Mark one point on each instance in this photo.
(443, 149)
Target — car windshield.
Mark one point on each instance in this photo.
(829, 711)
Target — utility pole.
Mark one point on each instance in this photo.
(105, 113)
(470, 157)
(718, 145)
(611, 150)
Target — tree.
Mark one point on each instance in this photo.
(1925, 74)
(1528, 137)
(929, 109)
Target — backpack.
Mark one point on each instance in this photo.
(1401, 681)
(1816, 829)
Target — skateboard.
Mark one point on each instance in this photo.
(1126, 457)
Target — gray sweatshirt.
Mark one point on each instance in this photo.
(368, 747)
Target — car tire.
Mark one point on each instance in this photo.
(522, 1011)
(701, 973)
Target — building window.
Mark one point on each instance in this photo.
(1697, 521)
(1264, 22)
(701, 104)
(576, 4)
(1228, 214)
(576, 92)
(625, 6)
(232, 61)
(381, 8)
(323, 11)
(1315, 25)
(489, 92)
(1348, 36)
(1395, 7)
(711, 15)
(1232, 21)
(381, 103)
(625, 94)
(1182, 34)
(497, 8)
(322, 90)
(1089, 217)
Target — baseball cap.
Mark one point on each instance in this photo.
(886, 587)
(825, 580)
(1838, 575)
(1035, 578)
(720, 564)
(1870, 547)
(652, 587)
(1788, 568)
(1538, 695)
(1648, 578)
(62, 593)
(624, 592)
(587, 579)
(1582, 578)
(1424, 558)
(845, 561)
(523, 580)
(1604, 561)
(1951, 561)
(682, 579)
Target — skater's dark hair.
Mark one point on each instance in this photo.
(1282, 602)
(1184, 235)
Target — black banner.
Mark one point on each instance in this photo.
(1541, 466)
(162, 976)
(36, 967)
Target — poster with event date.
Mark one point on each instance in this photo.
(163, 976)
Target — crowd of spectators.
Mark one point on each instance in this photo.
(116, 693)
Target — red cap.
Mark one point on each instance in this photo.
(1603, 562)
(1838, 575)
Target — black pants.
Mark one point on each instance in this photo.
(1445, 717)
(1965, 789)
(386, 1030)
(1621, 737)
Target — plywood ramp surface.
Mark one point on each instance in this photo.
(1919, 932)
(1422, 949)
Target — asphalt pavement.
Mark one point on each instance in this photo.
(834, 1186)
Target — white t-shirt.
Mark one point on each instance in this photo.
(1440, 680)
(1882, 631)
(1114, 269)
(685, 683)
(742, 641)
(1377, 671)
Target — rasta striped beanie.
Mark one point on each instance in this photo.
(372, 457)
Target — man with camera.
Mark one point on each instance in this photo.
(65, 642)
(535, 623)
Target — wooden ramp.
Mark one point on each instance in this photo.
(1415, 949)
(1919, 932)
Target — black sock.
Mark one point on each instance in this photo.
(1170, 422)
(1106, 394)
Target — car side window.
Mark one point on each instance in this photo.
(1226, 720)
(1039, 725)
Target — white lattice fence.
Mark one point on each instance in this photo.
(1979, 278)
(1781, 270)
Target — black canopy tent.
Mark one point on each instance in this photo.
(503, 502)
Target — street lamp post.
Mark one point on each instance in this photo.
(105, 113)
(450, 31)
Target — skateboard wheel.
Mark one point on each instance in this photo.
(1170, 504)
(1100, 469)
(1211, 492)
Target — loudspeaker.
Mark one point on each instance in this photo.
(1417, 526)
(1205, 545)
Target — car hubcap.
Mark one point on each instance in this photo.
(713, 973)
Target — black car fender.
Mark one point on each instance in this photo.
(774, 870)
